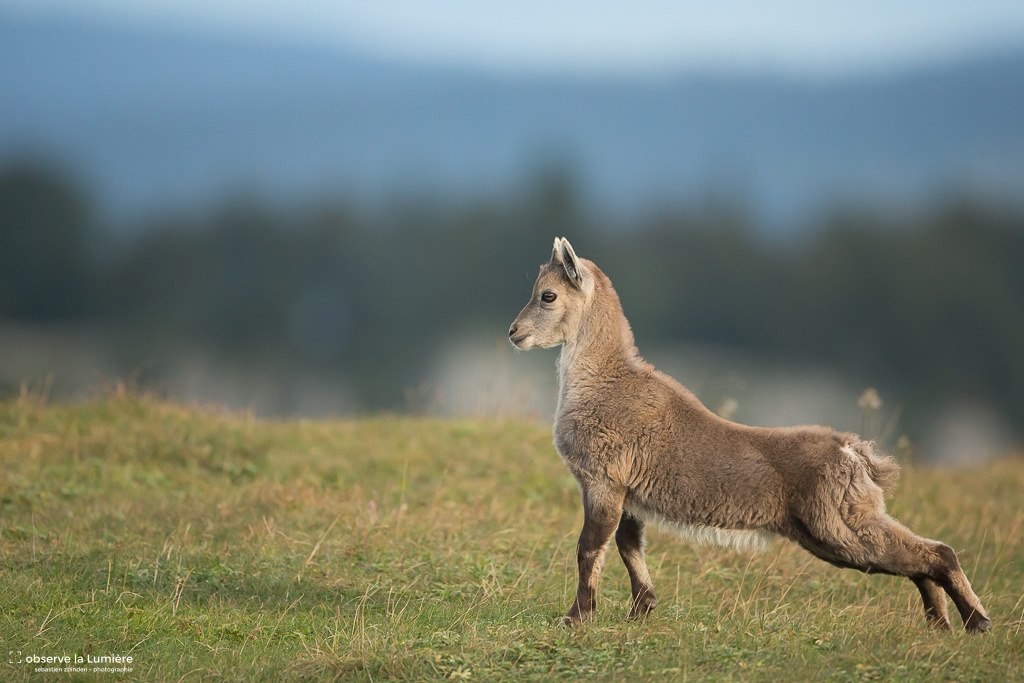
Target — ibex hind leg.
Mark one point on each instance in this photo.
(955, 583)
(881, 544)
(934, 603)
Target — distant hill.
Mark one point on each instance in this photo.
(151, 119)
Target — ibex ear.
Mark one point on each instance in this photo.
(564, 255)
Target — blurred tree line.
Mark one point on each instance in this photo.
(928, 306)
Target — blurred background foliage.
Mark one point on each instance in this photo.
(928, 305)
(326, 208)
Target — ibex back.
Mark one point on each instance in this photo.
(643, 448)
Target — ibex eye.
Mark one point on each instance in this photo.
(548, 297)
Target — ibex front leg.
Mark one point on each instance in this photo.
(630, 539)
(601, 512)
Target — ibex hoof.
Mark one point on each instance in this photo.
(978, 623)
(642, 607)
(574, 619)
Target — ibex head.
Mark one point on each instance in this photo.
(560, 295)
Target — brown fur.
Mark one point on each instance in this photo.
(643, 448)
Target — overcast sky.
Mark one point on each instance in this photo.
(816, 38)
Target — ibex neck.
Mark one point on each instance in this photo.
(601, 348)
(597, 349)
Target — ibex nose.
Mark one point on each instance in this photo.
(512, 330)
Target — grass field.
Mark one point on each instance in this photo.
(212, 546)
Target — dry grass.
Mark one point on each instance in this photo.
(212, 546)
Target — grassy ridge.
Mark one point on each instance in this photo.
(212, 546)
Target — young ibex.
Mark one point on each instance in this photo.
(643, 448)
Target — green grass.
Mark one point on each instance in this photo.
(213, 546)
